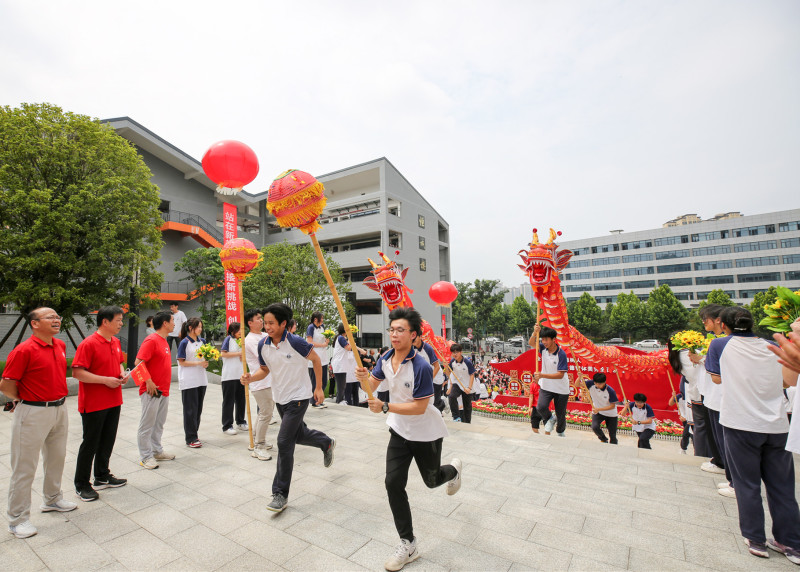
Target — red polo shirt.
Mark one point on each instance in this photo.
(40, 369)
(100, 357)
(155, 354)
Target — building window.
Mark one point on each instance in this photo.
(422, 243)
(711, 250)
(760, 261)
(791, 258)
(580, 251)
(751, 246)
(760, 277)
(421, 221)
(637, 258)
(786, 226)
(640, 284)
(792, 275)
(790, 242)
(667, 254)
(577, 276)
(748, 294)
(753, 230)
(579, 263)
(710, 280)
(605, 248)
(667, 240)
(704, 295)
(718, 265)
(606, 299)
(637, 244)
(422, 264)
(608, 286)
(674, 268)
(577, 288)
(639, 271)
(607, 260)
(684, 295)
(606, 273)
(715, 235)
(675, 282)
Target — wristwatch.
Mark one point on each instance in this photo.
(385, 407)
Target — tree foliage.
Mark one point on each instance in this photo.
(665, 314)
(627, 316)
(522, 317)
(463, 312)
(717, 296)
(585, 315)
(485, 295)
(78, 213)
(203, 268)
(756, 308)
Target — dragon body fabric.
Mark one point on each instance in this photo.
(390, 282)
(542, 263)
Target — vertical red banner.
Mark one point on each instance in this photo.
(232, 301)
(444, 326)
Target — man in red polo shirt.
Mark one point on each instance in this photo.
(36, 375)
(154, 393)
(98, 366)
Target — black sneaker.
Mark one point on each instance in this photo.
(110, 482)
(86, 493)
(278, 503)
(328, 453)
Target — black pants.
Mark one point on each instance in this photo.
(560, 400)
(685, 436)
(232, 396)
(761, 456)
(428, 456)
(314, 378)
(340, 379)
(611, 424)
(466, 399)
(704, 443)
(719, 439)
(384, 396)
(192, 400)
(293, 432)
(644, 438)
(99, 435)
(438, 402)
(351, 393)
(175, 339)
(536, 419)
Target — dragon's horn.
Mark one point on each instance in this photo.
(535, 240)
(552, 236)
(385, 258)
(372, 263)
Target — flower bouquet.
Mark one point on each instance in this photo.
(693, 341)
(783, 312)
(353, 329)
(207, 352)
(329, 334)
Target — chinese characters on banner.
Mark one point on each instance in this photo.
(231, 289)
(444, 326)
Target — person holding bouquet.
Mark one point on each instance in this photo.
(193, 357)
(232, 388)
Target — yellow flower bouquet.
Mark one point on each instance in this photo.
(207, 352)
(783, 312)
(329, 334)
(692, 341)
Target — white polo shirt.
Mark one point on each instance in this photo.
(752, 384)
(231, 366)
(554, 363)
(287, 365)
(178, 319)
(195, 376)
(462, 370)
(253, 363)
(640, 415)
(603, 398)
(413, 380)
(316, 334)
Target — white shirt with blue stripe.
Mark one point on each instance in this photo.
(194, 376)
(603, 398)
(287, 366)
(640, 415)
(554, 363)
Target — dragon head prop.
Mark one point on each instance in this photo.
(390, 282)
(543, 261)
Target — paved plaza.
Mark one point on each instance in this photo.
(528, 502)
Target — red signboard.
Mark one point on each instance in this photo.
(232, 301)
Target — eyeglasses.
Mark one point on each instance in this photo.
(396, 331)
(55, 318)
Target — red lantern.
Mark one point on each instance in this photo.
(231, 165)
(239, 256)
(296, 199)
(443, 293)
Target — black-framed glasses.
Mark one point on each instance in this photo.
(396, 330)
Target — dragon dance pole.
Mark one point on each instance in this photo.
(580, 377)
(619, 380)
(244, 366)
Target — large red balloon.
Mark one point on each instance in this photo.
(230, 164)
(443, 293)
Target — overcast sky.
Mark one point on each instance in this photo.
(585, 116)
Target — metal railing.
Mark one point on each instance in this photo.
(193, 220)
(176, 287)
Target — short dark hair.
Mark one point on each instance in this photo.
(456, 348)
(234, 327)
(410, 315)
(547, 332)
(171, 304)
(108, 313)
(640, 397)
(316, 316)
(710, 311)
(737, 319)
(250, 314)
(160, 318)
(281, 311)
(340, 329)
(149, 321)
(599, 377)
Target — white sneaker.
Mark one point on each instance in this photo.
(149, 463)
(454, 484)
(683, 452)
(551, 423)
(164, 456)
(242, 427)
(727, 492)
(231, 431)
(59, 506)
(262, 454)
(723, 485)
(23, 530)
(710, 467)
(404, 553)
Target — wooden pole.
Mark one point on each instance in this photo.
(339, 306)
(619, 380)
(580, 376)
(244, 365)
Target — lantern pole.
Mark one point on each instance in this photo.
(244, 364)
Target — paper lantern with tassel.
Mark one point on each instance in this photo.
(297, 199)
(239, 256)
(231, 165)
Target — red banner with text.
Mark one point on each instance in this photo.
(231, 288)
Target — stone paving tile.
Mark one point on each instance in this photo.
(647, 561)
(127, 499)
(261, 538)
(528, 554)
(703, 554)
(720, 539)
(536, 514)
(140, 550)
(327, 536)
(609, 552)
(634, 537)
(76, 552)
(18, 555)
(249, 561)
(373, 554)
(217, 516)
(585, 563)
(506, 524)
(103, 524)
(178, 496)
(205, 547)
(162, 520)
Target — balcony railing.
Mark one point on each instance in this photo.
(193, 220)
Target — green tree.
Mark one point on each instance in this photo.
(203, 268)
(463, 312)
(522, 317)
(485, 296)
(585, 315)
(627, 316)
(664, 313)
(500, 321)
(756, 308)
(605, 325)
(79, 218)
(717, 296)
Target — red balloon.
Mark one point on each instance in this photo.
(230, 164)
(443, 293)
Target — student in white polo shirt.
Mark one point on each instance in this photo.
(316, 338)
(260, 390)
(462, 380)
(415, 425)
(426, 351)
(756, 429)
(604, 408)
(644, 420)
(552, 379)
(284, 355)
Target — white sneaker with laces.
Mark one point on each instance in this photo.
(710, 467)
(59, 506)
(149, 463)
(23, 529)
(231, 431)
(551, 423)
(404, 553)
(723, 485)
(454, 484)
(242, 427)
(262, 454)
(727, 492)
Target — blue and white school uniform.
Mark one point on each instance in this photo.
(640, 415)
(603, 398)
(231, 366)
(287, 364)
(462, 370)
(190, 377)
(554, 363)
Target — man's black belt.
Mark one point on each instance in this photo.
(45, 403)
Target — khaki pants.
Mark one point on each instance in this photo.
(35, 430)
(266, 405)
